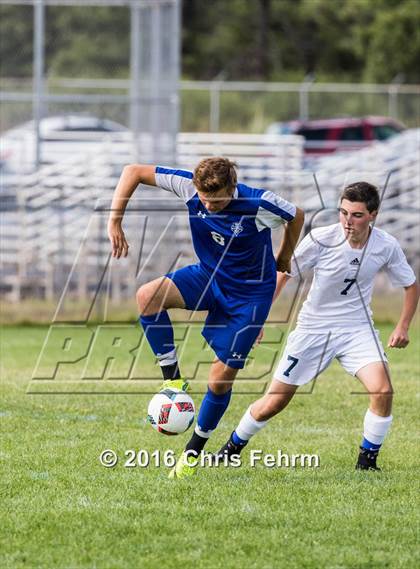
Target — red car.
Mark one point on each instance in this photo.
(331, 135)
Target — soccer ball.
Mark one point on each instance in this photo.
(171, 411)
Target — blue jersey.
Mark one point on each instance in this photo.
(233, 245)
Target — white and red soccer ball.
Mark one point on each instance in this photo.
(171, 411)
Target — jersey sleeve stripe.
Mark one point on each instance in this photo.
(288, 216)
(177, 181)
(174, 172)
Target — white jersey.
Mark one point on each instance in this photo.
(341, 291)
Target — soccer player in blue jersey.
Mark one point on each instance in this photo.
(234, 280)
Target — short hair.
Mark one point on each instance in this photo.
(362, 192)
(213, 174)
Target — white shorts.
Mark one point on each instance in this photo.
(306, 355)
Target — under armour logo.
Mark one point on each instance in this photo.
(236, 355)
(355, 262)
(202, 214)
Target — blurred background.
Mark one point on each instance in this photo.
(305, 95)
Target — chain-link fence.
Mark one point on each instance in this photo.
(247, 107)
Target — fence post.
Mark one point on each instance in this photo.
(38, 74)
(22, 269)
(393, 95)
(135, 74)
(62, 253)
(215, 106)
(304, 96)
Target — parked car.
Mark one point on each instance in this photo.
(336, 135)
(61, 136)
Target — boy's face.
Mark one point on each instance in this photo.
(355, 218)
(215, 201)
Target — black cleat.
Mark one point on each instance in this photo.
(230, 449)
(367, 459)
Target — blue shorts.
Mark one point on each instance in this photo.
(232, 324)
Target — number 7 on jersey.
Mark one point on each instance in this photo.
(348, 287)
(291, 366)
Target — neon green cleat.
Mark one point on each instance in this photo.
(185, 467)
(175, 384)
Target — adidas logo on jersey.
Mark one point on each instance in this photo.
(355, 262)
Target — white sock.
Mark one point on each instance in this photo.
(376, 427)
(202, 434)
(248, 426)
(167, 359)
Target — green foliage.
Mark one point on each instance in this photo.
(344, 40)
(16, 30)
(349, 40)
(395, 44)
(79, 41)
(89, 41)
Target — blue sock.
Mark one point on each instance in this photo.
(237, 440)
(369, 446)
(159, 332)
(211, 411)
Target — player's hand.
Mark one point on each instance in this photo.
(398, 338)
(116, 236)
(259, 337)
(284, 265)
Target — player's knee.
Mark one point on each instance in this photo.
(383, 392)
(144, 298)
(141, 299)
(387, 391)
(381, 401)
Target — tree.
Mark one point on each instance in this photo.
(353, 40)
(88, 41)
(16, 53)
(394, 45)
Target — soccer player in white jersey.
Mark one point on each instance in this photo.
(335, 320)
(234, 281)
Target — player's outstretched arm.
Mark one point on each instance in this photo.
(290, 238)
(282, 279)
(399, 337)
(132, 175)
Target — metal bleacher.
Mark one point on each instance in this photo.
(53, 230)
(392, 166)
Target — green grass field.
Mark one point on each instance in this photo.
(61, 508)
